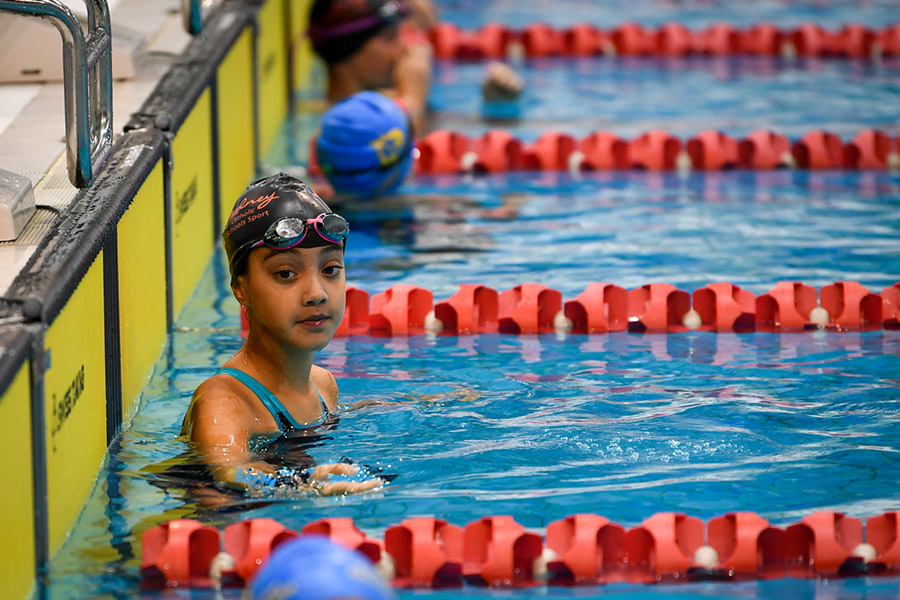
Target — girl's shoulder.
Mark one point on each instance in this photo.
(220, 388)
(326, 384)
(218, 395)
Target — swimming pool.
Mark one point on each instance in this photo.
(622, 425)
(629, 95)
(653, 13)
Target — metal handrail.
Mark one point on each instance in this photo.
(87, 79)
(195, 12)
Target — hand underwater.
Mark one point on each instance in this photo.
(259, 482)
(320, 479)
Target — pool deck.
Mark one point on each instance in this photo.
(147, 38)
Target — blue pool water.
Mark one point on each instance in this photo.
(631, 95)
(623, 425)
(696, 14)
(684, 96)
(752, 229)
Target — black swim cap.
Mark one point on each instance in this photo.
(264, 202)
(338, 28)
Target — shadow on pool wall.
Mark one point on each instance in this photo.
(85, 321)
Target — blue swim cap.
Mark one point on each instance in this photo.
(365, 147)
(312, 567)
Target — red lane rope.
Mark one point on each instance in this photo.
(496, 41)
(446, 152)
(533, 308)
(582, 549)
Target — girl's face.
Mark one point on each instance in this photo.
(295, 296)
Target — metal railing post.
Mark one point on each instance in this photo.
(87, 79)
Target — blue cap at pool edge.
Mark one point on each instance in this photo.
(365, 147)
(312, 567)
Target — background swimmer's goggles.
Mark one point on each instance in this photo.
(288, 232)
(391, 12)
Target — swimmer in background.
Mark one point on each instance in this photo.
(365, 150)
(382, 45)
(285, 251)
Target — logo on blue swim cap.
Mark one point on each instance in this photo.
(389, 146)
(365, 147)
(312, 567)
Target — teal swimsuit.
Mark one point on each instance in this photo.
(286, 423)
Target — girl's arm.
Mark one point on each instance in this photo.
(217, 426)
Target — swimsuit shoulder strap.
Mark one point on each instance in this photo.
(325, 411)
(284, 419)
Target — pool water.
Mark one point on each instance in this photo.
(683, 96)
(695, 14)
(628, 96)
(543, 427)
(752, 229)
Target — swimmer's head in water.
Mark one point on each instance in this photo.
(365, 147)
(339, 28)
(280, 212)
(312, 567)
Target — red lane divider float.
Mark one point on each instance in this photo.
(747, 545)
(529, 308)
(657, 308)
(178, 553)
(538, 40)
(344, 531)
(890, 308)
(473, 309)
(588, 549)
(427, 552)
(601, 307)
(764, 150)
(725, 307)
(249, 543)
(582, 549)
(499, 552)
(447, 152)
(533, 308)
(400, 311)
(662, 547)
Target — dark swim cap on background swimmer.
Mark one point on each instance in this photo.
(312, 567)
(365, 147)
(338, 28)
(281, 212)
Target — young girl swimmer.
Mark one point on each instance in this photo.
(285, 250)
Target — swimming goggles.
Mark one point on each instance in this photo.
(289, 231)
(391, 12)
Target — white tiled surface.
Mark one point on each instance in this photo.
(14, 98)
(80, 8)
(32, 121)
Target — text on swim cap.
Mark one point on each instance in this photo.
(244, 219)
(238, 218)
(261, 202)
